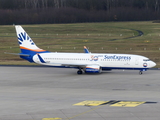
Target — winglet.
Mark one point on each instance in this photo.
(86, 50)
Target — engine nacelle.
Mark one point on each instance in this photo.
(93, 69)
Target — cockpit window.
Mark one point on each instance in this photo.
(146, 60)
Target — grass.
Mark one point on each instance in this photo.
(108, 37)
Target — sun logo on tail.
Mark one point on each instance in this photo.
(24, 38)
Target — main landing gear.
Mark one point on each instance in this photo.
(79, 72)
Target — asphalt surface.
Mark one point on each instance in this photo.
(46, 93)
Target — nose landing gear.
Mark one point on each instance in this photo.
(140, 72)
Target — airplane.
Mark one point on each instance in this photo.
(85, 62)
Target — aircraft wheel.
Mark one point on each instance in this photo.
(140, 72)
(79, 72)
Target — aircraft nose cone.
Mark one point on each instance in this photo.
(153, 64)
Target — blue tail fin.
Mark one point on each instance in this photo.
(27, 46)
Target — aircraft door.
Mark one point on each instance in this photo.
(136, 61)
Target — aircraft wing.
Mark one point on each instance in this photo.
(88, 68)
(75, 65)
(80, 65)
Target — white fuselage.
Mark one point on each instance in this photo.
(110, 61)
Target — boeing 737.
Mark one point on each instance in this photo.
(85, 62)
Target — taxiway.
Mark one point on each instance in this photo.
(46, 93)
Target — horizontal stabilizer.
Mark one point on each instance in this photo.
(20, 54)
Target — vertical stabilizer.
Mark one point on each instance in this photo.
(25, 42)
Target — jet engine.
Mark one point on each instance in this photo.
(93, 69)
